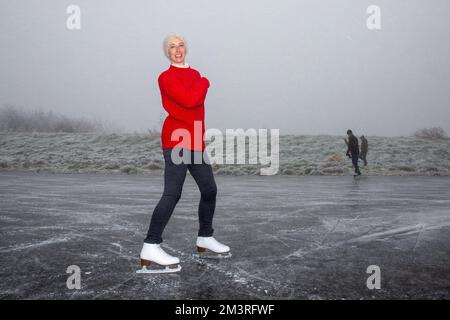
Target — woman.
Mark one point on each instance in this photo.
(183, 92)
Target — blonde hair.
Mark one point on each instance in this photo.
(168, 39)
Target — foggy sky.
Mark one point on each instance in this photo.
(304, 67)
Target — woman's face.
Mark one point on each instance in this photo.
(177, 51)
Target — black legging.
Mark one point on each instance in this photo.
(174, 176)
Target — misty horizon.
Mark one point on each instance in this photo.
(49, 119)
(302, 67)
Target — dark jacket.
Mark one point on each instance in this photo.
(364, 145)
(353, 146)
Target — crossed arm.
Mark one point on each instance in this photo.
(187, 98)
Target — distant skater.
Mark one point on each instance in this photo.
(183, 92)
(353, 150)
(364, 149)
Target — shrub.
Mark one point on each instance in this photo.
(16, 119)
(430, 133)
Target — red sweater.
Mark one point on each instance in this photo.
(183, 93)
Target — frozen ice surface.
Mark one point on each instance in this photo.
(292, 237)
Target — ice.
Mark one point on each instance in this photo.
(292, 237)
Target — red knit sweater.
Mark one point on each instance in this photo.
(183, 93)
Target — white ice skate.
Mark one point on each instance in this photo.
(154, 254)
(208, 247)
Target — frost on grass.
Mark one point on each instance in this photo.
(137, 153)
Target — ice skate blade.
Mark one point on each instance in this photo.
(159, 271)
(213, 256)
